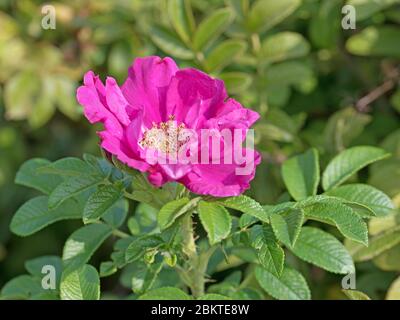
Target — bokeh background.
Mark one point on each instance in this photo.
(290, 60)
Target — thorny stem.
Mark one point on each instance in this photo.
(195, 274)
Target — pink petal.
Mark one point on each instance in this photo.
(146, 85)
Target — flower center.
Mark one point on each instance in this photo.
(167, 137)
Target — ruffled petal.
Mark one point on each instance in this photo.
(193, 97)
(92, 97)
(222, 180)
(145, 87)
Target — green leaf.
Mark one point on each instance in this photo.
(213, 296)
(332, 211)
(323, 250)
(44, 103)
(364, 195)
(290, 73)
(167, 42)
(394, 290)
(20, 94)
(289, 286)
(343, 127)
(389, 260)
(165, 293)
(211, 27)
(272, 258)
(28, 175)
(133, 226)
(264, 14)
(34, 215)
(245, 204)
(374, 41)
(366, 8)
(35, 266)
(348, 162)
(21, 287)
(139, 246)
(81, 245)
(144, 276)
(287, 225)
(181, 17)
(171, 211)
(284, 46)
(100, 201)
(116, 215)
(356, 295)
(72, 187)
(378, 245)
(325, 24)
(301, 174)
(224, 54)
(107, 268)
(65, 96)
(67, 167)
(236, 81)
(82, 284)
(216, 220)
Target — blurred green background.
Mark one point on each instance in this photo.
(290, 60)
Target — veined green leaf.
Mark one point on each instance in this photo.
(72, 187)
(82, 284)
(272, 258)
(138, 246)
(332, 211)
(100, 201)
(287, 225)
(245, 204)
(289, 286)
(81, 245)
(365, 195)
(171, 211)
(213, 296)
(67, 167)
(34, 215)
(323, 250)
(211, 27)
(378, 245)
(165, 293)
(301, 174)
(216, 220)
(116, 214)
(29, 176)
(348, 162)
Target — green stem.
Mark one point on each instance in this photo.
(120, 233)
(195, 274)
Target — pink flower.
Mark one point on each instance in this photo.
(156, 98)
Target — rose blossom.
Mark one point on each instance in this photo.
(158, 97)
